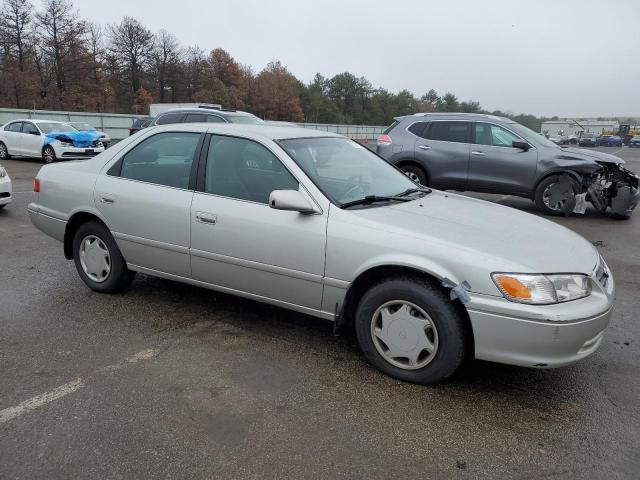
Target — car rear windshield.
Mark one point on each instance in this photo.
(390, 127)
(249, 119)
(48, 127)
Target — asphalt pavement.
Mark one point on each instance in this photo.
(174, 381)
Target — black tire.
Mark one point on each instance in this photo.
(119, 276)
(4, 152)
(48, 154)
(538, 197)
(416, 174)
(449, 324)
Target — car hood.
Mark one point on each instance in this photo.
(571, 153)
(505, 239)
(79, 139)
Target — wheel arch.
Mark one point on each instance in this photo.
(414, 163)
(374, 274)
(560, 171)
(75, 221)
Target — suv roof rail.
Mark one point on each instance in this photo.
(212, 106)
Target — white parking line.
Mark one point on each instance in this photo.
(71, 387)
(40, 400)
(617, 151)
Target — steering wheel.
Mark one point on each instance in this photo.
(356, 179)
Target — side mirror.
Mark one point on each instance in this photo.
(291, 200)
(522, 145)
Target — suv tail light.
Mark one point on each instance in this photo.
(36, 185)
(384, 140)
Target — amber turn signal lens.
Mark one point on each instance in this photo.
(513, 287)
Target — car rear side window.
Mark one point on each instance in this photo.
(14, 127)
(244, 169)
(163, 159)
(448, 131)
(390, 127)
(168, 118)
(417, 128)
(195, 118)
(215, 119)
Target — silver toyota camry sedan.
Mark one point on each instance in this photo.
(317, 223)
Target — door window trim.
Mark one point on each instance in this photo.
(115, 169)
(33, 125)
(501, 126)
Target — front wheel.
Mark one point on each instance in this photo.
(409, 329)
(48, 154)
(98, 259)
(556, 195)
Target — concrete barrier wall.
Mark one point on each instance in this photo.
(116, 125)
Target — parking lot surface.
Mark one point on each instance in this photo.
(173, 381)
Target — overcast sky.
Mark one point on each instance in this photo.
(546, 57)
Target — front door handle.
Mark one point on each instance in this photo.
(424, 147)
(106, 199)
(478, 154)
(207, 218)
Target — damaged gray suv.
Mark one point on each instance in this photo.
(485, 153)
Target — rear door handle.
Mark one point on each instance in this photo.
(106, 199)
(424, 147)
(207, 218)
(478, 154)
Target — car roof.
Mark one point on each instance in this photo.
(216, 111)
(33, 120)
(256, 131)
(454, 116)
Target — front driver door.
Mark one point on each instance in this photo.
(238, 242)
(145, 198)
(32, 140)
(495, 165)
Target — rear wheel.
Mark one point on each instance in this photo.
(48, 154)
(556, 195)
(409, 329)
(98, 259)
(4, 152)
(415, 173)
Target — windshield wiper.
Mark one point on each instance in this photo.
(373, 199)
(414, 190)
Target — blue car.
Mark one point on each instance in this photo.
(611, 141)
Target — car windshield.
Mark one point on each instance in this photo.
(244, 119)
(48, 127)
(531, 136)
(82, 126)
(344, 170)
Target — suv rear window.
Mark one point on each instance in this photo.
(417, 128)
(391, 127)
(448, 131)
(168, 118)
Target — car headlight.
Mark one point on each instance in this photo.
(3, 172)
(63, 143)
(538, 289)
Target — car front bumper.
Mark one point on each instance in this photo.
(542, 336)
(68, 152)
(5, 190)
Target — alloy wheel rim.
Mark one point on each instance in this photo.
(404, 335)
(412, 176)
(95, 258)
(48, 155)
(3, 151)
(558, 203)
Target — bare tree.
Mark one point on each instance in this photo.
(61, 39)
(165, 59)
(130, 48)
(15, 25)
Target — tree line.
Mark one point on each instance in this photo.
(50, 58)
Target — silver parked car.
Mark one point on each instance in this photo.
(316, 223)
(485, 153)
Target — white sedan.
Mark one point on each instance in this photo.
(5, 188)
(47, 139)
